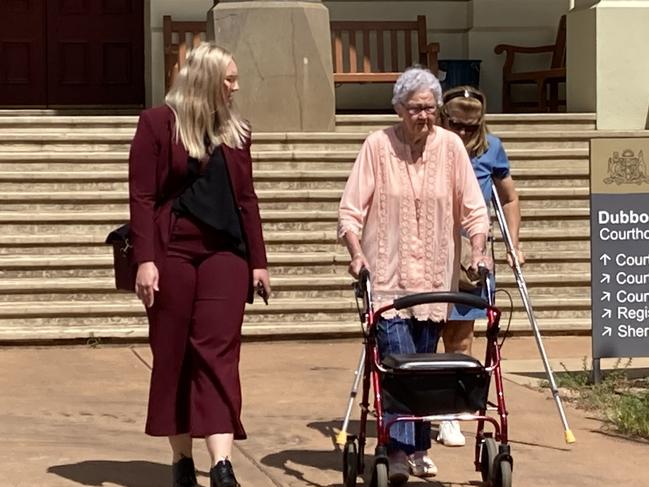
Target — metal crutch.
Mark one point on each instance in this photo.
(341, 438)
(362, 289)
(522, 288)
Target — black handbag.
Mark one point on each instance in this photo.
(123, 264)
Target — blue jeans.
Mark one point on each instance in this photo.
(407, 335)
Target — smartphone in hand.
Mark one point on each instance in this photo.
(261, 291)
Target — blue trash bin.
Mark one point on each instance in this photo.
(458, 72)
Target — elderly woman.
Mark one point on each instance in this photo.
(411, 191)
(463, 112)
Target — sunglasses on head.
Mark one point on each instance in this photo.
(460, 126)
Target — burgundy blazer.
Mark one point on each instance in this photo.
(157, 174)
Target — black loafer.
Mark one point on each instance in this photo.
(184, 473)
(222, 475)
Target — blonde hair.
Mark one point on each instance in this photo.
(468, 100)
(198, 100)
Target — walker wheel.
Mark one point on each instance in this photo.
(503, 474)
(350, 463)
(487, 458)
(381, 475)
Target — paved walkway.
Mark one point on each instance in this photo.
(74, 416)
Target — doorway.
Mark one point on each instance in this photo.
(72, 53)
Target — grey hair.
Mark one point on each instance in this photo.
(413, 80)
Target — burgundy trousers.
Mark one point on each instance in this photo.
(195, 336)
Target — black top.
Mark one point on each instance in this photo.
(208, 197)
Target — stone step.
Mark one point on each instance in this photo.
(135, 329)
(54, 219)
(542, 239)
(53, 121)
(496, 122)
(536, 174)
(35, 122)
(53, 266)
(85, 319)
(100, 264)
(547, 170)
(96, 261)
(264, 195)
(96, 253)
(293, 282)
(128, 305)
(95, 234)
(12, 141)
(69, 244)
(306, 160)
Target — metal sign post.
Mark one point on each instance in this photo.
(619, 227)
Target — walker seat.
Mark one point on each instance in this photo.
(430, 384)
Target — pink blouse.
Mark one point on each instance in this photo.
(379, 206)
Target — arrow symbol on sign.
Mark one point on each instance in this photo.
(607, 331)
(607, 313)
(604, 258)
(606, 278)
(606, 296)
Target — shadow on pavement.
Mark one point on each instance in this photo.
(290, 460)
(135, 473)
(611, 433)
(330, 429)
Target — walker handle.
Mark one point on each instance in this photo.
(360, 286)
(444, 297)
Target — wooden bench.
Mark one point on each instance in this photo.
(177, 35)
(379, 51)
(543, 79)
(363, 52)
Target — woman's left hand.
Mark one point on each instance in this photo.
(261, 276)
(479, 259)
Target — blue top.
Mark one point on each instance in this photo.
(492, 164)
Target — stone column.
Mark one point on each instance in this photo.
(283, 52)
(607, 62)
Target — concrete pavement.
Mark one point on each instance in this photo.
(74, 416)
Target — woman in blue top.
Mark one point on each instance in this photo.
(463, 112)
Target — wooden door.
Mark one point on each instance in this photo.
(23, 69)
(95, 51)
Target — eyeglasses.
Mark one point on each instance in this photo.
(456, 126)
(416, 110)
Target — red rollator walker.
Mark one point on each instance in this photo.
(427, 387)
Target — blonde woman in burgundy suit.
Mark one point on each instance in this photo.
(199, 248)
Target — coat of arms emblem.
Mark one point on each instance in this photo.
(626, 168)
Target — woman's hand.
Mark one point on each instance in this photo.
(358, 262)
(146, 282)
(519, 256)
(480, 259)
(261, 276)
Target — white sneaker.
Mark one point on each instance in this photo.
(450, 434)
(399, 469)
(422, 466)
